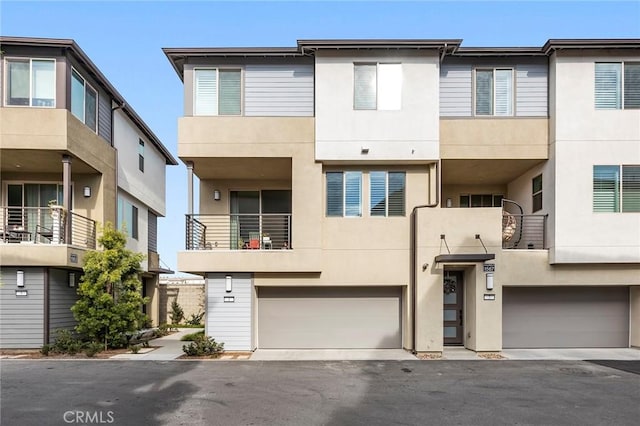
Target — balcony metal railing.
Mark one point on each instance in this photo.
(46, 225)
(521, 231)
(238, 231)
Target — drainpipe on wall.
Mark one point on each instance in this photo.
(414, 253)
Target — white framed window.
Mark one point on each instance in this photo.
(536, 193)
(617, 85)
(616, 188)
(84, 100)
(141, 155)
(494, 92)
(31, 82)
(217, 91)
(377, 86)
(387, 193)
(344, 194)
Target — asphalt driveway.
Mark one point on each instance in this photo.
(314, 393)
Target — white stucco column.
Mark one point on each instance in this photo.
(189, 187)
(66, 196)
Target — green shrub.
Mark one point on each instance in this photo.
(196, 319)
(93, 348)
(176, 314)
(193, 336)
(203, 346)
(44, 350)
(134, 349)
(66, 342)
(162, 330)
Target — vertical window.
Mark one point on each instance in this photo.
(606, 188)
(617, 85)
(84, 101)
(344, 193)
(134, 222)
(387, 193)
(377, 86)
(31, 82)
(494, 92)
(141, 155)
(217, 92)
(631, 188)
(536, 193)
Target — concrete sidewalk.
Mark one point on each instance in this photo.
(170, 347)
(332, 355)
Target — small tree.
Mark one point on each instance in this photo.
(110, 291)
(176, 314)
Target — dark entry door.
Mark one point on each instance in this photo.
(453, 308)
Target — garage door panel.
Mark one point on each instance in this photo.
(565, 317)
(329, 318)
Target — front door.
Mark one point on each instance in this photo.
(453, 308)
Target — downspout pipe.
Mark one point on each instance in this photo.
(414, 254)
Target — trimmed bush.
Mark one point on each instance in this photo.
(192, 336)
(203, 346)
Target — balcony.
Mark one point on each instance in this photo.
(238, 231)
(522, 231)
(46, 225)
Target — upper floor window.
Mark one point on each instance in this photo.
(84, 100)
(387, 196)
(31, 82)
(616, 188)
(344, 193)
(127, 218)
(217, 91)
(617, 85)
(141, 155)
(536, 193)
(494, 92)
(481, 200)
(377, 86)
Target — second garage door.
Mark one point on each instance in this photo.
(565, 317)
(329, 318)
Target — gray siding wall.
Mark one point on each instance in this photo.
(229, 323)
(104, 116)
(153, 232)
(531, 91)
(21, 317)
(455, 90)
(278, 90)
(61, 299)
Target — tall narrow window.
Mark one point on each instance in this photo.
(494, 92)
(606, 188)
(631, 85)
(134, 222)
(84, 100)
(377, 86)
(141, 155)
(387, 196)
(217, 92)
(31, 82)
(631, 188)
(344, 193)
(536, 193)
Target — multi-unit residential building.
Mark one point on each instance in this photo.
(414, 193)
(74, 156)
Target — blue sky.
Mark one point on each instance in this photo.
(124, 39)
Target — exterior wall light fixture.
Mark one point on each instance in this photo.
(216, 194)
(86, 191)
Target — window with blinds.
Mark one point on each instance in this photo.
(617, 85)
(494, 92)
(217, 92)
(616, 189)
(344, 194)
(387, 193)
(377, 86)
(536, 193)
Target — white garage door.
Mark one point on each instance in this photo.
(333, 317)
(565, 317)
